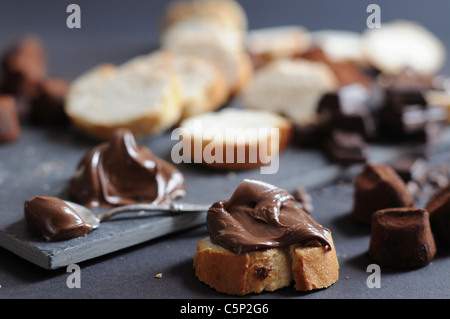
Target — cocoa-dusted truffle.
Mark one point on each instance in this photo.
(402, 238)
(439, 209)
(9, 119)
(47, 107)
(24, 66)
(378, 187)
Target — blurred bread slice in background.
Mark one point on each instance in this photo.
(203, 85)
(108, 97)
(291, 87)
(402, 44)
(211, 41)
(228, 13)
(340, 45)
(268, 44)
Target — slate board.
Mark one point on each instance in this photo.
(42, 161)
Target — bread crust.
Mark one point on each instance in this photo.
(189, 86)
(229, 13)
(265, 270)
(193, 142)
(209, 40)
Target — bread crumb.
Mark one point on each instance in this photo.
(159, 275)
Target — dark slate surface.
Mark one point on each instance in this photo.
(42, 161)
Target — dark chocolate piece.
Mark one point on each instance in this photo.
(402, 238)
(47, 108)
(411, 168)
(308, 135)
(405, 113)
(24, 66)
(378, 187)
(345, 147)
(302, 196)
(408, 80)
(9, 119)
(261, 216)
(54, 218)
(120, 172)
(439, 209)
(347, 109)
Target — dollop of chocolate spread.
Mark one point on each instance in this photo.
(260, 216)
(120, 172)
(55, 219)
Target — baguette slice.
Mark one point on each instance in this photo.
(402, 44)
(268, 44)
(209, 40)
(235, 139)
(271, 269)
(290, 87)
(229, 13)
(109, 97)
(203, 85)
(340, 45)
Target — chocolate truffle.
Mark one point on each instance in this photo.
(54, 218)
(9, 119)
(120, 172)
(439, 209)
(401, 238)
(47, 107)
(24, 66)
(378, 187)
(345, 147)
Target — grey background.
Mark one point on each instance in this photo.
(114, 31)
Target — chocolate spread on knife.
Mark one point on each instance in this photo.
(55, 219)
(119, 172)
(260, 216)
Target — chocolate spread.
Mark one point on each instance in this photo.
(55, 219)
(119, 172)
(260, 216)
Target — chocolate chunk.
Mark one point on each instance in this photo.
(405, 114)
(47, 107)
(412, 118)
(9, 119)
(347, 108)
(345, 147)
(302, 196)
(402, 238)
(378, 187)
(408, 80)
(439, 209)
(308, 135)
(411, 168)
(24, 66)
(261, 272)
